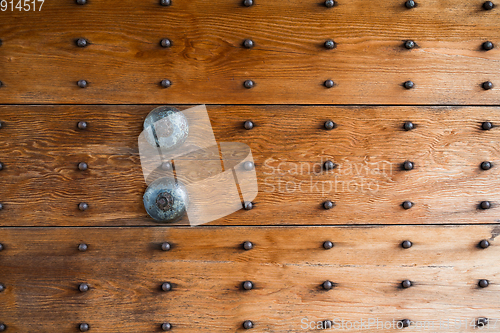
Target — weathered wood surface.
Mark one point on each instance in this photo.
(41, 269)
(41, 147)
(124, 63)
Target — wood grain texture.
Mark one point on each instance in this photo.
(41, 185)
(124, 63)
(41, 269)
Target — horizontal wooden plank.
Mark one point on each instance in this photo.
(41, 184)
(124, 62)
(41, 269)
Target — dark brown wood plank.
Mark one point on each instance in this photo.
(124, 63)
(41, 269)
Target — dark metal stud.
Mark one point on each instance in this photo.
(248, 43)
(1, 84)
(0, 124)
(485, 205)
(483, 283)
(248, 165)
(165, 83)
(84, 327)
(82, 166)
(409, 44)
(166, 326)
(3, 327)
(329, 3)
(488, 46)
(83, 206)
(328, 205)
(486, 165)
(82, 247)
(329, 125)
(81, 2)
(82, 125)
(1, 206)
(248, 3)
(329, 83)
(247, 245)
(488, 5)
(410, 4)
(248, 84)
(166, 286)
(406, 322)
(1, 247)
(407, 204)
(486, 126)
(83, 287)
(2, 287)
(482, 322)
(1, 42)
(165, 2)
(81, 42)
(484, 244)
(327, 245)
(487, 85)
(165, 42)
(329, 165)
(166, 246)
(406, 284)
(248, 205)
(82, 83)
(166, 166)
(327, 324)
(1, 166)
(248, 124)
(406, 244)
(247, 324)
(407, 165)
(409, 85)
(327, 285)
(247, 285)
(330, 44)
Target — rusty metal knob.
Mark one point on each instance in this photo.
(407, 204)
(329, 125)
(83, 287)
(248, 3)
(330, 44)
(488, 5)
(329, 83)
(329, 165)
(247, 324)
(166, 326)
(486, 126)
(82, 125)
(249, 84)
(83, 206)
(410, 4)
(409, 85)
(328, 205)
(248, 43)
(327, 245)
(407, 165)
(166, 246)
(248, 166)
(409, 44)
(165, 83)
(485, 205)
(327, 285)
(487, 85)
(82, 247)
(166, 200)
(486, 165)
(248, 205)
(484, 244)
(84, 327)
(165, 2)
(406, 284)
(247, 245)
(406, 322)
(483, 283)
(248, 125)
(166, 286)
(406, 244)
(166, 43)
(329, 3)
(408, 126)
(81, 42)
(82, 166)
(247, 285)
(488, 46)
(82, 83)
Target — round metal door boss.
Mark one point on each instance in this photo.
(166, 200)
(166, 127)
